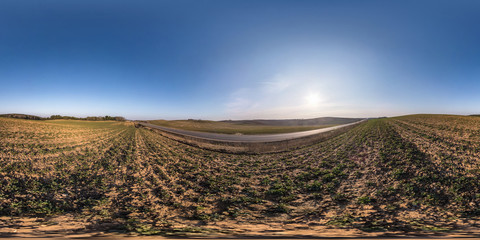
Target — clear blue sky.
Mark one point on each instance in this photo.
(239, 59)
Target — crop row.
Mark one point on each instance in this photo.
(371, 177)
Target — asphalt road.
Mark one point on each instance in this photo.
(245, 138)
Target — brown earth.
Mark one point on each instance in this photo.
(407, 176)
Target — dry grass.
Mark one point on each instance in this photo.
(417, 174)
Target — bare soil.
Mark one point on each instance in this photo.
(416, 175)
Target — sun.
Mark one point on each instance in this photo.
(312, 99)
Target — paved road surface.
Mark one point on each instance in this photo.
(246, 138)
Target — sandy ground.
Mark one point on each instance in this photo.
(67, 227)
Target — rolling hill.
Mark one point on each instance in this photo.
(297, 122)
(254, 126)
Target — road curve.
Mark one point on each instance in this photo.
(245, 138)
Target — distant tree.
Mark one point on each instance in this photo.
(21, 116)
(89, 118)
(65, 117)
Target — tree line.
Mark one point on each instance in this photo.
(94, 118)
(32, 117)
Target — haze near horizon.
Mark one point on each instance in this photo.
(239, 59)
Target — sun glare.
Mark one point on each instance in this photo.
(312, 99)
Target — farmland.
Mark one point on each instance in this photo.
(412, 174)
(230, 127)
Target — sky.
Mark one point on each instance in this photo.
(245, 59)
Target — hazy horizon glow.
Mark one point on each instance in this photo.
(239, 59)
